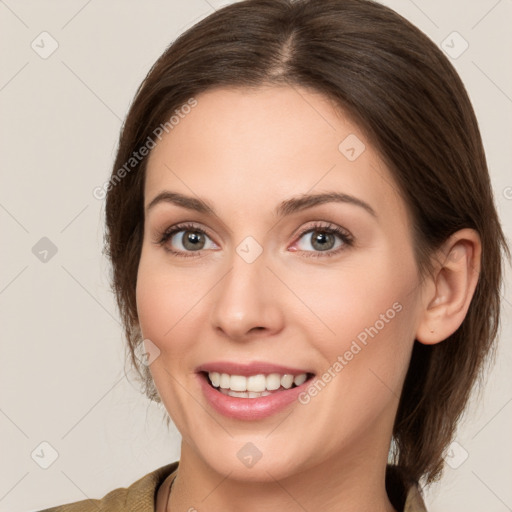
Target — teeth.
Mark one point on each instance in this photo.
(223, 380)
(300, 379)
(287, 381)
(273, 381)
(254, 383)
(244, 394)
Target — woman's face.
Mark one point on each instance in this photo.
(262, 280)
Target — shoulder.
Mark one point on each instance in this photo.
(139, 496)
(414, 501)
(403, 493)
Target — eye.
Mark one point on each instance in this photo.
(190, 237)
(194, 239)
(323, 240)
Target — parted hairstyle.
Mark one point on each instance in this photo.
(410, 103)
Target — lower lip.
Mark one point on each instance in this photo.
(249, 408)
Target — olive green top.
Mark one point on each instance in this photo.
(141, 495)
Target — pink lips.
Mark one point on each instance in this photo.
(249, 408)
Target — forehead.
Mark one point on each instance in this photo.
(252, 148)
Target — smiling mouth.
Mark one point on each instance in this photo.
(255, 386)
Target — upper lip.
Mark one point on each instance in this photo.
(253, 368)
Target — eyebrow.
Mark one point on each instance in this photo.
(287, 207)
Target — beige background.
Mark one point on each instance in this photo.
(61, 375)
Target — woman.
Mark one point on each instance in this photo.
(306, 256)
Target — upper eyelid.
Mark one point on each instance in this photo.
(319, 224)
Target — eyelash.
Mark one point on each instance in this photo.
(348, 241)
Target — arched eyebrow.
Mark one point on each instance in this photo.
(299, 203)
(287, 207)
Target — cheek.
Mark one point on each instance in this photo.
(367, 312)
(167, 303)
(151, 300)
(352, 296)
(380, 334)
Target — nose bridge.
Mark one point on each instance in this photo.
(245, 298)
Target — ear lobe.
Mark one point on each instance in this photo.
(451, 287)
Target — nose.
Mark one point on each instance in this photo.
(247, 301)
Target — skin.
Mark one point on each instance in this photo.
(245, 151)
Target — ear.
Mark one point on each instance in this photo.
(448, 292)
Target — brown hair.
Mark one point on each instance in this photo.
(404, 93)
